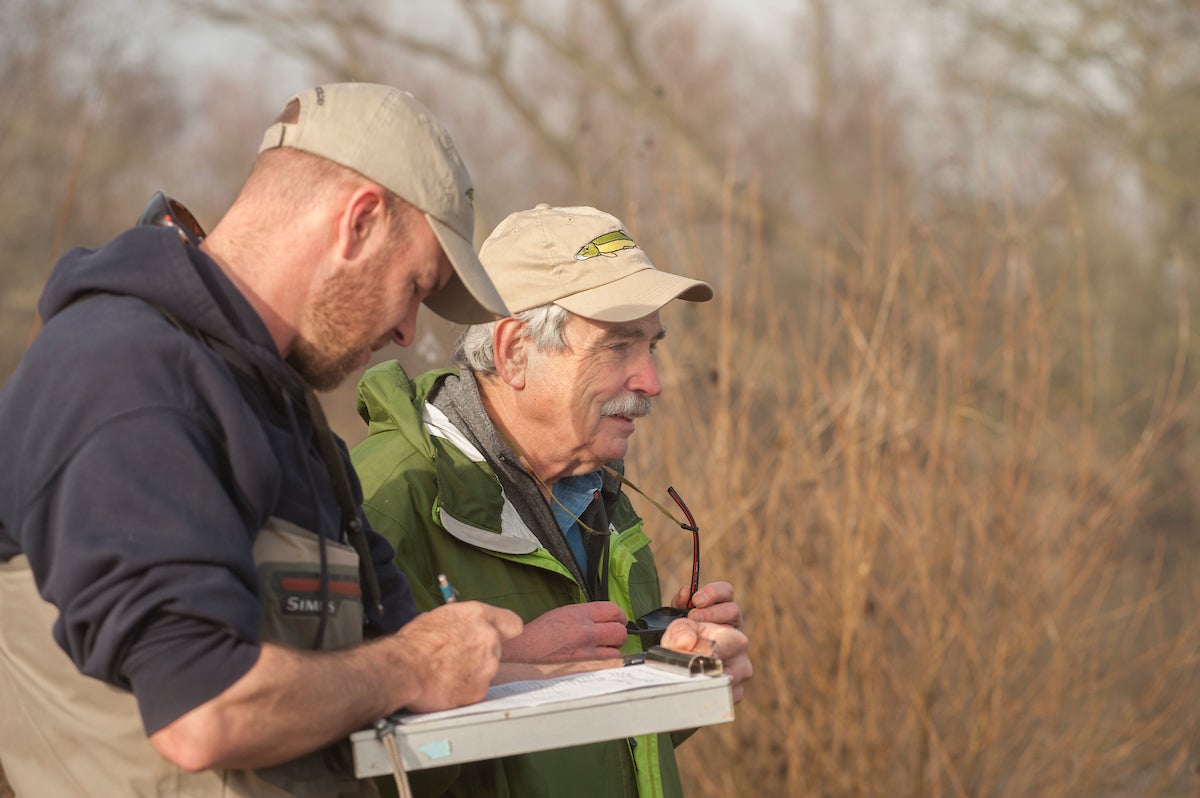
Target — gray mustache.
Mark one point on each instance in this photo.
(630, 405)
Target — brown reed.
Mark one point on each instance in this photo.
(945, 573)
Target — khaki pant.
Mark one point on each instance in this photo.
(66, 734)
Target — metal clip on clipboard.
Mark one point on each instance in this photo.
(692, 664)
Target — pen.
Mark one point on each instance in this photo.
(448, 594)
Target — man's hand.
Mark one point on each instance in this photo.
(293, 701)
(713, 604)
(591, 631)
(455, 650)
(717, 640)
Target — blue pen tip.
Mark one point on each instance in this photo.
(445, 588)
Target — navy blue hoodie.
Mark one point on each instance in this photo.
(139, 470)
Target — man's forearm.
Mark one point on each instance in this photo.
(291, 702)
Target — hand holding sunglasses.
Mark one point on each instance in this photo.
(650, 627)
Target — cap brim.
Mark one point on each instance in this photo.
(635, 296)
(469, 297)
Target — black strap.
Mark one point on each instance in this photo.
(351, 523)
(597, 545)
(167, 212)
(352, 526)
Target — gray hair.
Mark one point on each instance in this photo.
(544, 325)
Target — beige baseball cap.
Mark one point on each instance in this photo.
(390, 138)
(583, 260)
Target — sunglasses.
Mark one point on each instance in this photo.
(650, 627)
(166, 212)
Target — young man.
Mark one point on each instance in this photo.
(186, 581)
(504, 477)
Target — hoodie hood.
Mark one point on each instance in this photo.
(186, 282)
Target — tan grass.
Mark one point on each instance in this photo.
(944, 573)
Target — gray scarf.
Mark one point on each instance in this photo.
(458, 397)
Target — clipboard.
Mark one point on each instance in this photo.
(606, 705)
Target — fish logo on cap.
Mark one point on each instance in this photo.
(607, 245)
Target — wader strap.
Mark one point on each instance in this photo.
(351, 524)
(385, 730)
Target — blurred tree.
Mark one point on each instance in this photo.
(621, 104)
(1104, 97)
(671, 114)
(1123, 78)
(655, 111)
(592, 57)
(81, 149)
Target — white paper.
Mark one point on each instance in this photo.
(536, 692)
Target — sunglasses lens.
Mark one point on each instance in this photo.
(163, 211)
(655, 622)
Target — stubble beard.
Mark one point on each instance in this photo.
(330, 346)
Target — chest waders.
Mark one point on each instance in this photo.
(70, 734)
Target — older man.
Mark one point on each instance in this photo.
(506, 477)
(176, 509)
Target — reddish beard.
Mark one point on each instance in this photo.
(337, 331)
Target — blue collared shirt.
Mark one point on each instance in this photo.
(575, 494)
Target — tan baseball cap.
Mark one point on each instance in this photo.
(583, 260)
(390, 138)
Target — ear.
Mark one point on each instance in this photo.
(362, 224)
(510, 349)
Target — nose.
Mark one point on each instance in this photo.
(644, 379)
(405, 332)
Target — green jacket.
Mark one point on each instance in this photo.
(441, 504)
